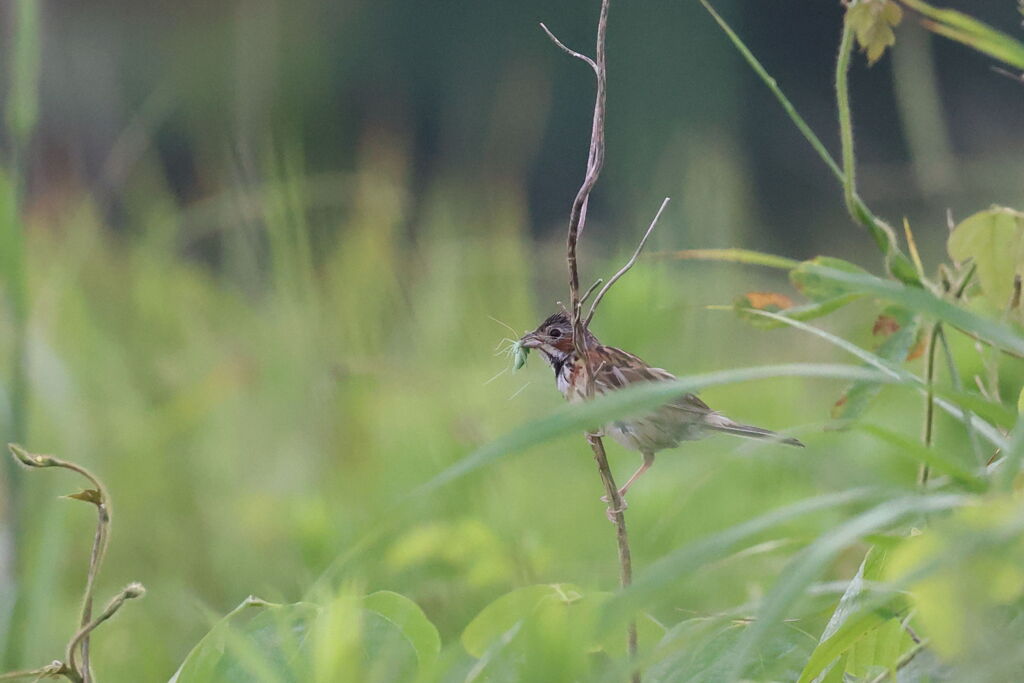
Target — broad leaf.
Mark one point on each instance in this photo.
(501, 615)
(855, 626)
(410, 620)
(256, 641)
(994, 240)
(810, 563)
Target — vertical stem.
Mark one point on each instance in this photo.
(929, 406)
(582, 338)
(621, 536)
(20, 115)
(896, 261)
(846, 120)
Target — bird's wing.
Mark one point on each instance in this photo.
(617, 369)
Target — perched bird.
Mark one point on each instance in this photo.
(684, 419)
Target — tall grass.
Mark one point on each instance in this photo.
(318, 423)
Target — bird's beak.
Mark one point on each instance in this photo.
(530, 341)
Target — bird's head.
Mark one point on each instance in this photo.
(553, 337)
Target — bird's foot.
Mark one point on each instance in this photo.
(610, 512)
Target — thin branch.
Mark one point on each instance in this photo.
(51, 670)
(567, 50)
(929, 405)
(586, 295)
(903, 661)
(618, 518)
(629, 264)
(577, 220)
(130, 592)
(595, 162)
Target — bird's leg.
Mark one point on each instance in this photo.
(648, 461)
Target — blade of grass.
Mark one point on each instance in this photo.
(914, 450)
(767, 79)
(896, 373)
(636, 399)
(668, 570)
(21, 113)
(895, 259)
(748, 256)
(809, 564)
(971, 32)
(922, 301)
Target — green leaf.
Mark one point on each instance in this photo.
(858, 397)
(504, 613)
(853, 624)
(745, 256)
(670, 569)
(853, 630)
(879, 650)
(898, 374)
(804, 312)
(994, 239)
(545, 632)
(933, 457)
(260, 641)
(971, 32)
(809, 280)
(965, 575)
(923, 301)
(872, 22)
(410, 620)
(257, 641)
(810, 563)
(87, 496)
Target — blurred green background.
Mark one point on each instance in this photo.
(265, 242)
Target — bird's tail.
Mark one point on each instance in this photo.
(720, 423)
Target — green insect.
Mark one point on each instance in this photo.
(513, 348)
(519, 354)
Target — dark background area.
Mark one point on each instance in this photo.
(475, 94)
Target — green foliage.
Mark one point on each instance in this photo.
(314, 417)
(381, 637)
(994, 241)
(902, 335)
(864, 632)
(967, 30)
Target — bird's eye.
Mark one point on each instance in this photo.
(554, 333)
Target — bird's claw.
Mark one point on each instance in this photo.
(611, 512)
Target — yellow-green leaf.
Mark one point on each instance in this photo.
(88, 496)
(872, 22)
(994, 239)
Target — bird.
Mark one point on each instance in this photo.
(686, 418)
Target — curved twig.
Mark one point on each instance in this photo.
(567, 50)
(629, 264)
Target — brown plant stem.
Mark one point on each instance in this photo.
(577, 220)
(79, 642)
(929, 405)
